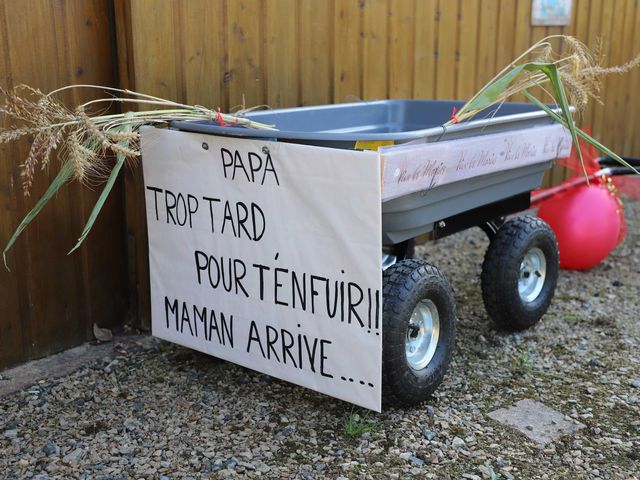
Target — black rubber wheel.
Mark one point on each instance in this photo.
(520, 272)
(413, 287)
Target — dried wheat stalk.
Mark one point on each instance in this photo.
(83, 139)
(579, 70)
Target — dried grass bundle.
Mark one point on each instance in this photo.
(577, 72)
(83, 140)
(572, 77)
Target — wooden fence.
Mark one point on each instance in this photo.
(301, 52)
(243, 53)
(233, 53)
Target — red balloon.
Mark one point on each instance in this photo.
(587, 222)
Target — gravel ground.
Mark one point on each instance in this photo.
(168, 412)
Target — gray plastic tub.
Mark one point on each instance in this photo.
(401, 121)
(342, 125)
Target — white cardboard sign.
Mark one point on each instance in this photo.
(413, 168)
(267, 254)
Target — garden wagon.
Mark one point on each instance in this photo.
(505, 160)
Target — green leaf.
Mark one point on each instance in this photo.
(108, 186)
(552, 72)
(492, 92)
(585, 136)
(64, 174)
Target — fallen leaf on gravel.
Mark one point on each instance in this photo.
(102, 334)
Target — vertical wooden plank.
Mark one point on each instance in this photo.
(485, 58)
(521, 35)
(12, 283)
(631, 140)
(592, 41)
(154, 49)
(124, 44)
(401, 48)
(426, 49)
(316, 45)
(87, 24)
(617, 95)
(137, 251)
(606, 30)
(614, 47)
(72, 70)
(89, 51)
(375, 68)
(522, 30)
(580, 24)
(468, 43)
(201, 32)
(505, 36)
(347, 77)
(447, 48)
(282, 55)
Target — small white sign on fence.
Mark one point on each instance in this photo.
(551, 12)
(267, 254)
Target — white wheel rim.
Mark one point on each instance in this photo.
(423, 332)
(533, 271)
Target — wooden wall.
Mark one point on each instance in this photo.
(303, 52)
(283, 53)
(49, 300)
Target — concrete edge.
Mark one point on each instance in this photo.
(57, 365)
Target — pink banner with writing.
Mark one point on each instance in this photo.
(418, 167)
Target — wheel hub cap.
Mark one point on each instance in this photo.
(422, 334)
(533, 271)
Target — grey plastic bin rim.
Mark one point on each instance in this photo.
(438, 132)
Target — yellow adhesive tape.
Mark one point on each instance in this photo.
(372, 144)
